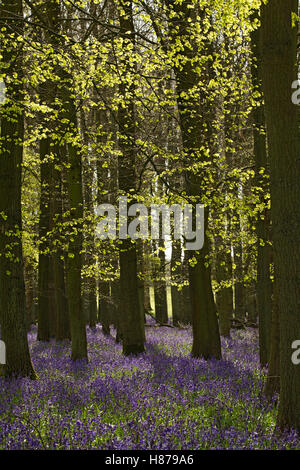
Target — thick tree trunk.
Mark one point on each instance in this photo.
(206, 337)
(264, 290)
(132, 323)
(272, 385)
(279, 42)
(195, 134)
(263, 284)
(12, 286)
(75, 195)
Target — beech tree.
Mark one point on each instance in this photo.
(132, 322)
(279, 71)
(206, 338)
(263, 228)
(165, 102)
(12, 286)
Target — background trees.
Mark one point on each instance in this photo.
(161, 101)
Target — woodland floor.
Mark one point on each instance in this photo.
(162, 399)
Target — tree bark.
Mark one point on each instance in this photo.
(132, 323)
(44, 310)
(160, 289)
(75, 197)
(194, 130)
(224, 295)
(279, 53)
(12, 286)
(263, 284)
(272, 384)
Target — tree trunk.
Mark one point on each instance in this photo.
(30, 288)
(90, 282)
(279, 42)
(116, 312)
(239, 288)
(224, 294)
(93, 306)
(263, 284)
(12, 286)
(272, 385)
(160, 290)
(132, 323)
(44, 257)
(206, 337)
(62, 327)
(104, 307)
(75, 195)
(176, 276)
(195, 134)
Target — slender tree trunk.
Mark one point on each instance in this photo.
(62, 329)
(147, 273)
(224, 302)
(175, 277)
(93, 305)
(62, 319)
(104, 306)
(251, 306)
(141, 282)
(185, 295)
(239, 289)
(116, 308)
(90, 283)
(160, 290)
(44, 257)
(29, 277)
(102, 197)
(224, 295)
